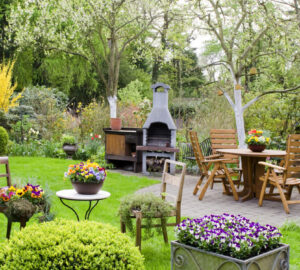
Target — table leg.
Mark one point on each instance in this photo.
(70, 208)
(88, 212)
(259, 171)
(247, 166)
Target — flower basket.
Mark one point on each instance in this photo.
(87, 188)
(257, 148)
(86, 177)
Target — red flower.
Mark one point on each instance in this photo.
(92, 138)
(252, 131)
(96, 136)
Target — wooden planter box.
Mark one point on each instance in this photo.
(190, 258)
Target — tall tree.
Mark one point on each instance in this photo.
(97, 30)
(238, 26)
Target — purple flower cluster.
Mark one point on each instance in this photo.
(231, 235)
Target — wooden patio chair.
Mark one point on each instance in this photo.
(226, 139)
(219, 171)
(167, 179)
(285, 181)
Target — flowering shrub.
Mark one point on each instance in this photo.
(230, 235)
(88, 172)
(32, 193)
(255, 138)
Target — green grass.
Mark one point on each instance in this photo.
(49, 173)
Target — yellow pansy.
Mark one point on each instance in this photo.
(12, 188)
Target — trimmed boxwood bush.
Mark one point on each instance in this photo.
(65, 244)
(3, 141)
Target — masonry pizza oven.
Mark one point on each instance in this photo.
(159, 130)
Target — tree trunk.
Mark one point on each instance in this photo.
(239, 115)
(112, 100)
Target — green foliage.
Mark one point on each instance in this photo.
(148, 204)
(3, 141)
(133, 92)
(70, 245)
(3, 120)
(68, 139)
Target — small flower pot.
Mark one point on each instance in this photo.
(257, 148)
(70, 149)
(115, 123)
(184, 257)
(87, 188)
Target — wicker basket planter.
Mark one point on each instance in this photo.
(191, 258)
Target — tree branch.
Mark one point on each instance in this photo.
(270, 92)
(228, 98)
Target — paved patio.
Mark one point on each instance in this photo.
(214, 202)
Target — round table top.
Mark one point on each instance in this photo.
(249, 153)
(71, 194)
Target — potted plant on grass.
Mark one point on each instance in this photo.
(256, 141)
(228, 242)
(69, 145)
(86, 177)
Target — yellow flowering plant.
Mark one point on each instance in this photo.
(255, 137)
(86, 172)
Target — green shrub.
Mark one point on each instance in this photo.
(68, 139)
(65, 244)
(3, 141)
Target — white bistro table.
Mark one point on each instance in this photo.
(72, 195)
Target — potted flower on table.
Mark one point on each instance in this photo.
(86, 177)
(228, 242)
(256, 141)
(69, 145)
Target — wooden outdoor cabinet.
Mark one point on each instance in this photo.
(120, 147)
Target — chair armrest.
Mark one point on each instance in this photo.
(271, 165)
(213, 156)
(216, 160)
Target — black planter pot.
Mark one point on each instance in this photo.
(87, 188)
(257, 148)
(70, 149)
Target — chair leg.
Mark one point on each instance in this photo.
(198, 184)
(164, 230)
(123, 227)
(271, 189)
(283, 198)
(235, 195)
(212, 184)
(9, 223)
(262, 193)
(298, 188)
(138, 237)
(210, 178)
(289, 192)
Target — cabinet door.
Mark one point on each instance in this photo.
(115, 145)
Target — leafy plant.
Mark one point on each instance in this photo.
(3, 141)
(68, 139)
(148, 204)
(65, 244)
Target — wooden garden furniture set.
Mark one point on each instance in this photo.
(214, 169)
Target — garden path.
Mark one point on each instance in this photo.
(215, 202)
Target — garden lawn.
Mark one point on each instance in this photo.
(49, 173)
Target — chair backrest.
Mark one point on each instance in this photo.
(224, 139)
(175, 180)
(4, 161)
(292, 159)
(197, 151)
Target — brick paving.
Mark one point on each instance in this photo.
(214, 202)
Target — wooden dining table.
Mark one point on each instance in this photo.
(251, 169)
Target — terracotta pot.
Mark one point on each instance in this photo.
(257, 148)
(115, 123)
(87, 188)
